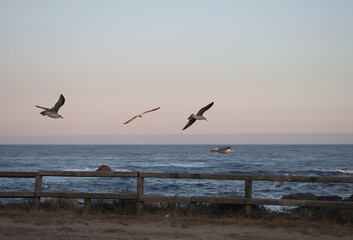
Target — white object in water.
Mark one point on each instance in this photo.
(224, 150)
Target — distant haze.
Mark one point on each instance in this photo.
(215, 139)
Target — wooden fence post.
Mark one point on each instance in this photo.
(139, 206)
(192, 208)
(304, 212)
(37, 188)
(87, 206)
(248, 194)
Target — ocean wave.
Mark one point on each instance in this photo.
(79, 170)
(120, 170)
(93, 170)
(182, 164)
(336, 171)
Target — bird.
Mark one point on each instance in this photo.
(198, 116)
(224, 150)
(53, 112)
(140, 115)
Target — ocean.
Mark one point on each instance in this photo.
(298, 160)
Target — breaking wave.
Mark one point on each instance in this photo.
(336, 171)
(79, 170)
(93, 170)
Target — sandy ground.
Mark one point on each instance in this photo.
(91, 228)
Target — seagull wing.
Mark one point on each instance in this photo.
(215, 150)
(191, 121)
(204, 109)
(152, 110)
(46, 109)
(130, 120)
(59, 103)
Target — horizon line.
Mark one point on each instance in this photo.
(170, 139)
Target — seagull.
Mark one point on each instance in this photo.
(140, 115)
(198, 116)
(224, 150)
(53, 112)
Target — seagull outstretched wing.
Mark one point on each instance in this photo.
(204, 109)
(46, 109)
(191, 121)
(59, 103)
(57, 106)
(152, 110)
(130, 120)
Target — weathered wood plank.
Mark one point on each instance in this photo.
(140, 190)
(180, 176)
(142, 198)
(16, 194)
(37, 188)
(87, 206)
(188, 176)
(18, 174)
(165, 199)
(279, 202)
(247, 177)
(248, 189)
(86, 195)
(86, 174)
(140, 186)
(248, 194)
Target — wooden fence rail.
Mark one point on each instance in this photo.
(247, 201)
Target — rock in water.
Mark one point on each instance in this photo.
(104, 168)
(301, 196)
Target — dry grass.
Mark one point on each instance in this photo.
(47, 218)
(217, 214)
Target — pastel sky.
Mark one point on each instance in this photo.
(278, 71)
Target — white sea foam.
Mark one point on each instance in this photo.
(336, 171)
(120, 170)
(79, 170)
(93, 170)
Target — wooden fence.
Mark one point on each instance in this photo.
(139, 196)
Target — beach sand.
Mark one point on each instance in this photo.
(73, 227)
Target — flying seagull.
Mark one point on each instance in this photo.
(53, 112)
(140, 115)
(198, 116)
(224, 150)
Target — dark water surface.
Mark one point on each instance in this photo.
(299, 160)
